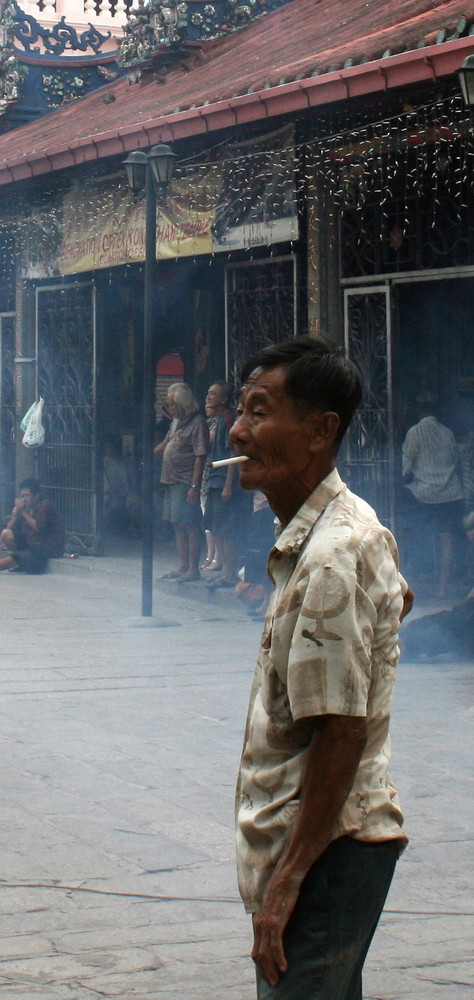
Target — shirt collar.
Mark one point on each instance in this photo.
(296, 532)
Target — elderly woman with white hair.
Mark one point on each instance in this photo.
(183, 453)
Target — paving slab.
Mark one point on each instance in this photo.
(119, 753)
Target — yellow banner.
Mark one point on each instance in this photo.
(103, 226)
(245, 199)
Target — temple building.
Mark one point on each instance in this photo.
(323, 182)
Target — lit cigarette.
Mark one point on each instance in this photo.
(229, 461)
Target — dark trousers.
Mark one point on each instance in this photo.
(260, 540)
(329, 934)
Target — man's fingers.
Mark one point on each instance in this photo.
(267, 969)
(269, 956)
(279, 955)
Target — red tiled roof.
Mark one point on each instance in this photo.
(307, 53)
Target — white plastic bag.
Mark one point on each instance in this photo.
(27, 417)
(34, 434)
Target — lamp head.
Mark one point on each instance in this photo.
(162, 160)
(135, 166)
(466, 80)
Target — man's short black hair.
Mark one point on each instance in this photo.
(29, 484)
(319, 376)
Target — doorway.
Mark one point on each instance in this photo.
(7, 412)
(434, 351)
(433, 324)
(66, 378)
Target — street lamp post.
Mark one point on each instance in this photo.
(151, 172)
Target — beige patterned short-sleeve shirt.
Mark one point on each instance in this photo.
(329, 647)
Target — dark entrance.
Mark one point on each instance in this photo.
(434, 338)
(7, 412)
(66, 378)
(434, 355)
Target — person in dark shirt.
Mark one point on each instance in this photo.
(222, 510)
(34, 533)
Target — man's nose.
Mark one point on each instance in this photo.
(239, 430)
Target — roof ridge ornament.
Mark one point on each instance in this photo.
(158, 32)
(150, 25)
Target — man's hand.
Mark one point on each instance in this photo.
(332, 759)
(19, 506)
(268, 927)
(192, 495)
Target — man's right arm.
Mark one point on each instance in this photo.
(331, 766)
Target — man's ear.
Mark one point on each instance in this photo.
(325, 429)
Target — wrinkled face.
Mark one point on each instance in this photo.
(276, 439)
(215, 397)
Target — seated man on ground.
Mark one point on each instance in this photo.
(447, 631)
(34, 533)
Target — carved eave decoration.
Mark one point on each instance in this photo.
(27, 36)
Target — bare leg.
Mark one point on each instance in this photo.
(447, 550)
(217, 561)
(182, 546)
(211, 550)
(194, 539)
(7, 539)
(7, 563)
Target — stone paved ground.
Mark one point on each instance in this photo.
(119, 750)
